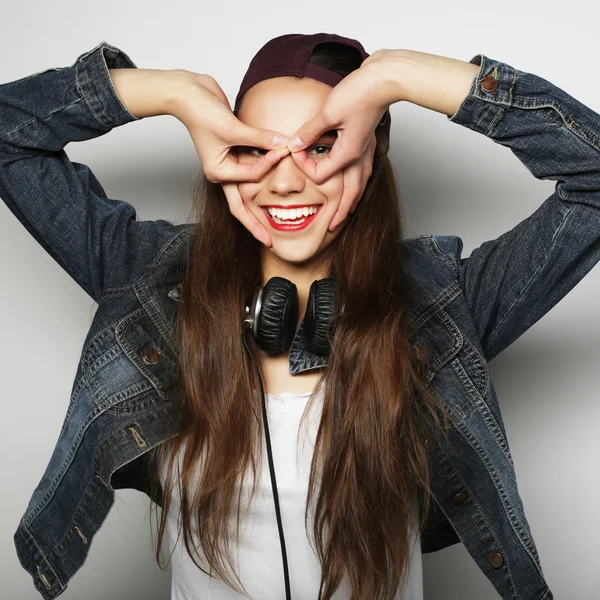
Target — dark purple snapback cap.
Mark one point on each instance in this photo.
(288, 55)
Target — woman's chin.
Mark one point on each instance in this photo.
(297, 252)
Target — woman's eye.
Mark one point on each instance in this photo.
(326, 146)
(253, 151)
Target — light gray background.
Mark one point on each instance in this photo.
(454, 181)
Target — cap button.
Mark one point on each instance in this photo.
(489, 83)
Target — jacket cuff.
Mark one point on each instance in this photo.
(96, 87)
(484, 103)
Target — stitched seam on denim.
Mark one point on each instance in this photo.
(118, 431)
(443, 255)
(479, 509)
(80, 89)
(114, 290)
(101, 360)
(121, 328)
(72, 401)
(59, 545)
(487, 415)
(42, 553)
(150, 401)
(569, 122)
(141, 388)
(93, 343)
(482, 367)
(517, 300)
(456, 335)
(492, 123)
(175, 242)
(446, 255)
(163, 328)
(32, 120)
(114, 52)
(467, 435)
(66, 463)
(511, 515)
(445, 298)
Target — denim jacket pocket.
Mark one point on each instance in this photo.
(144, 345)
(454, 365)
(441, 340)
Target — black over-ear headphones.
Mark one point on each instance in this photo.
(271, 316)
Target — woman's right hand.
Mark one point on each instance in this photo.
(205, 111)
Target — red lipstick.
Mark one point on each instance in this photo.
(292, 226)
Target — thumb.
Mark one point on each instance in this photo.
(310, 132)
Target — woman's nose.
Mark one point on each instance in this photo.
(285, 177)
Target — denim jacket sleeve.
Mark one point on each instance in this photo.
(98, 241)
(512, 281)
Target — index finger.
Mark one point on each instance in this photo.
(319, 171)
(253, 172)
(238, 209)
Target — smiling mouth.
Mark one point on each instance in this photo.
(296, 224)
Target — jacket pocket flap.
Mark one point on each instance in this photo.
(438, 341)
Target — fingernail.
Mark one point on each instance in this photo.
(296, 144)
(280, 141)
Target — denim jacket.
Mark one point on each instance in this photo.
(465, 311)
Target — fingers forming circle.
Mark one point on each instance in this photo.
(238, 209)
(230, 171)
(352, 186)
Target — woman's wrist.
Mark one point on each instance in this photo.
(435, 82)
(151, 92)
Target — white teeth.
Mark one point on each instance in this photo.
(292, 214)
(281, 221)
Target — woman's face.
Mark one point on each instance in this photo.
(284, 104)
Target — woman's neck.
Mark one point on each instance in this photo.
(302, 275)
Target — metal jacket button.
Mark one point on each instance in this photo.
(150, 355)
(496, 559)
(489, 83)
(459, 499)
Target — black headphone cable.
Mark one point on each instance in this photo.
(245, 327)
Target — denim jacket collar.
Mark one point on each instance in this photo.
(426, 299)
(301, 358)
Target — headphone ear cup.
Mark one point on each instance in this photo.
(319, 322)
(278, 315)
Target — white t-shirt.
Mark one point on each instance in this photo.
(259, 561)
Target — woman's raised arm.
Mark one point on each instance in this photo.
(95, 239)
(356, 104)
(512, 281)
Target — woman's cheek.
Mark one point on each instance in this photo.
(332, 189)
(248, 191)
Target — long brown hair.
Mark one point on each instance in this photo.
(369, 456)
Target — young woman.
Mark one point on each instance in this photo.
(385, 359)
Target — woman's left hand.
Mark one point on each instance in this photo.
(354, 108)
